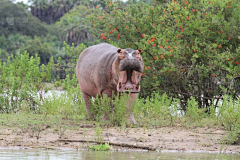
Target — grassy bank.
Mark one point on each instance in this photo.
(62, 112)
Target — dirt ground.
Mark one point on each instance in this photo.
(166, 138)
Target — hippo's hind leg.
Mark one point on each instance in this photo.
(86, 99)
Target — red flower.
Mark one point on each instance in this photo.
(180, 27)
(193, 10)
(155, 58)
(186, 2)
(154, 44)
(118, 36)
(143, 35)
(161, 46)
(143, 74)
(213, 75)
(237, 62)
(153, 39)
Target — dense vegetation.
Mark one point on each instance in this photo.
(190, 50)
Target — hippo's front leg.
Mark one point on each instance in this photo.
(86, 99)
(131, 100)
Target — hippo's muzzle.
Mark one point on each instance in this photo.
(130, 76)
(133, 64)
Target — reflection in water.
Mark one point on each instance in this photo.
(29, 154)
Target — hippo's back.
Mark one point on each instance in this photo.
(93, 69)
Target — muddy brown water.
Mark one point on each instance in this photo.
(62, 154)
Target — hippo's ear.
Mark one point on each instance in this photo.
(137, 53)
(121, 53)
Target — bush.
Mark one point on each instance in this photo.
(22, 85)
(191, 48)
(22, 81)
(229, 115)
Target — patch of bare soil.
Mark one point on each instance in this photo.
(166, 138)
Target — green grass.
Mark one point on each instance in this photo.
(62, 112)
(101, 147)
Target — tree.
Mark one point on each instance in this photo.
(191, 48)
(42, 49)
(15, 18)
(74, 28)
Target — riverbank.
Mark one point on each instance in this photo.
(52, 131)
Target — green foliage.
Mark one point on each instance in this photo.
(113, 111)
(101, 147)
(193, 114)
(75, 28)
(98, 134)
(42, 49)
(159, 110)
(191, 48)
(10, 44)
(15, 19)
(21, 79)
(229, 115)
(70, 83)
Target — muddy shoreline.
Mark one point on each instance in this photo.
(171, 139)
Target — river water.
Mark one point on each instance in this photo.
(62, 154)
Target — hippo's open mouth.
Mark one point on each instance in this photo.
(129, 81)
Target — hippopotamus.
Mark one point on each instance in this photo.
(105, 69)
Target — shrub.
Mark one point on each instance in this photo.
(22, 81)
(191, 48)
(229, 115)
